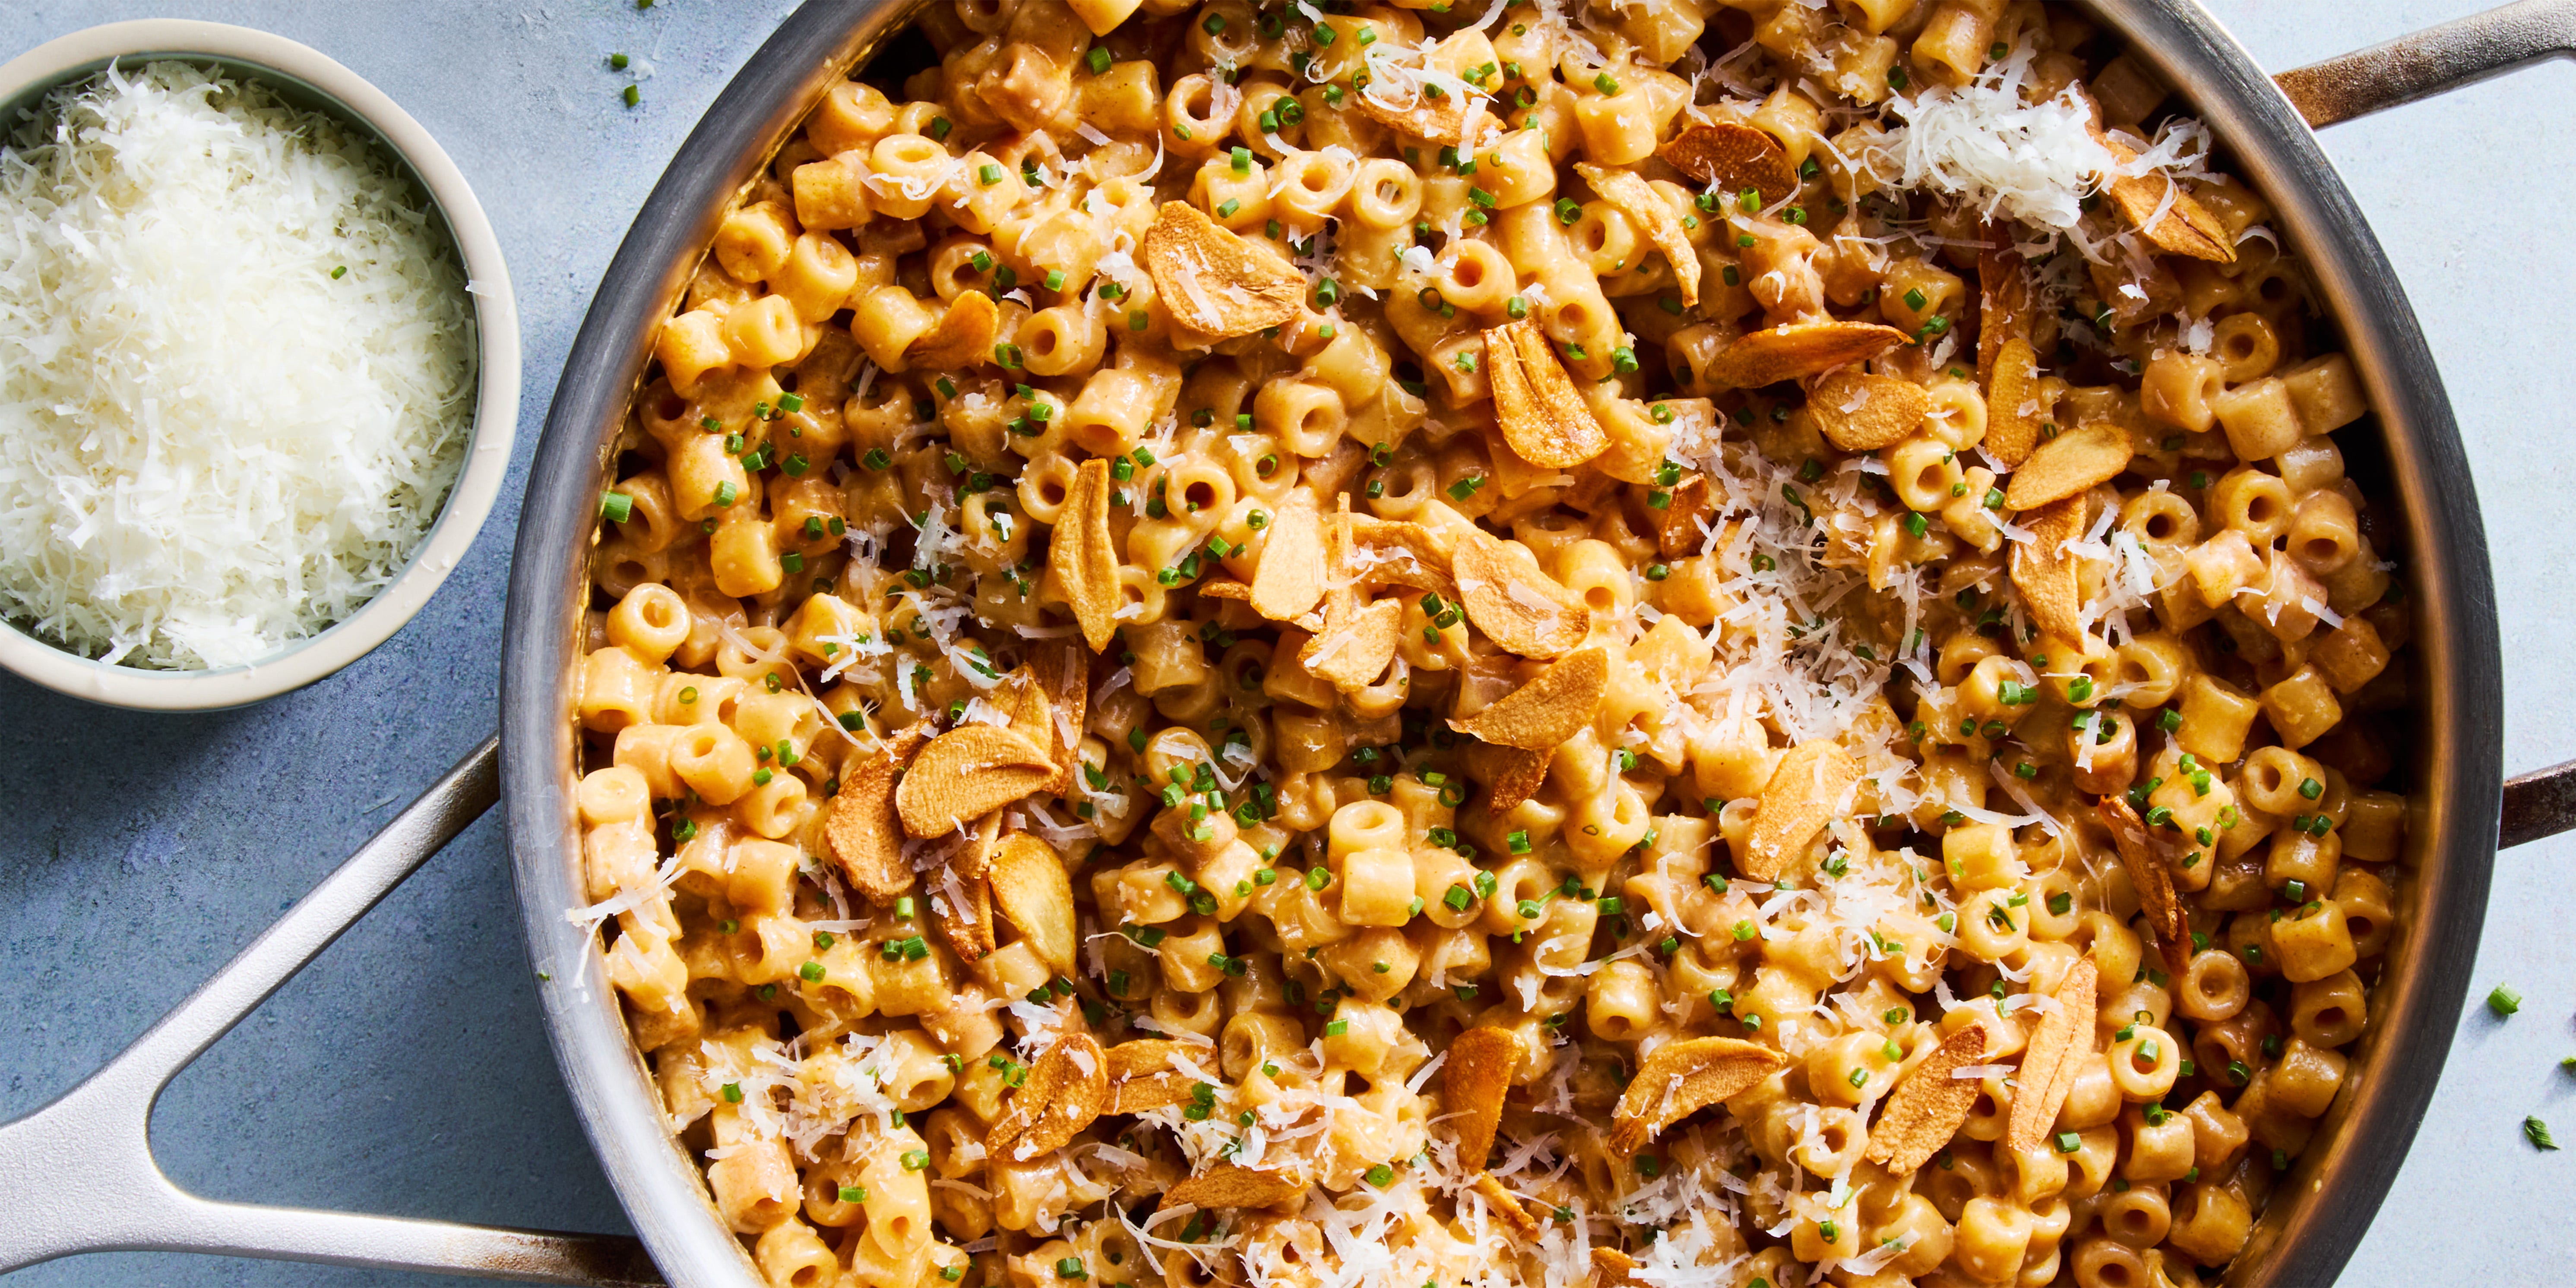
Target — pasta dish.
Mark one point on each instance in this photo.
(1491, 643)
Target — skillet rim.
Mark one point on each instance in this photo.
(2321, 1208)
(2324, 1205)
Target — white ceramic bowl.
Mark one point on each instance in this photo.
(307, 78)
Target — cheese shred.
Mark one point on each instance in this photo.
(236, 370)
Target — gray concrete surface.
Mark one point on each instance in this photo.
(406, 1071)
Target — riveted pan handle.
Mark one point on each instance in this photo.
(2540, 803)
(2431, 61)
(78, 1176)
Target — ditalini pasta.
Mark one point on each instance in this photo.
(1490, 645)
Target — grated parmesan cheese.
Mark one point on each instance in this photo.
(213, 441)
(2032, 161)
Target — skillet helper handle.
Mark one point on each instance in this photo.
(78, 1175)
(2541, 803)
(2431, 61)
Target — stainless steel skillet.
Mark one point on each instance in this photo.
(78, 1176)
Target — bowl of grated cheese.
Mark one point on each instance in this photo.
(259, 365)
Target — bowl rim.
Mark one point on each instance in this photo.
(478, 479)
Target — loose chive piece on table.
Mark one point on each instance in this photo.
(2504, 1001)
(2537, 1132)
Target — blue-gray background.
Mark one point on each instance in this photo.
(406, 1072)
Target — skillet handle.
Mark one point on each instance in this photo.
(78, 1175)
(2540, 803)
(2431, 61)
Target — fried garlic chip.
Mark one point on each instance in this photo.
(1142, 1076)
(1734, 156)
(1441, 116)
(1681, 1078)
(1030, 888)
(1288, 581)
(1229, 1186)
(967, 925)
(1214, 282)
(1473, 1083)
(1682, 526)
(1521, 609)
(1032, 712)
(1356, 644)
(2012, 423)
(862, 828)
(1083, 560)
(1805, 791)
(1067, 1088)
(2152, 879)
(1398, 552)
(1510, 775)
(1544, 420)
(1062, 673)
(1859, 412)
(1612, 1268)
(963, 337)
(2083, 457)
(2055, 1057)
(2045, 572)
(2003, 296)
(966, 774)
(2163, 209)
(971, 861)
(1796, 350)
(1555, 705)
(1927, 1108)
